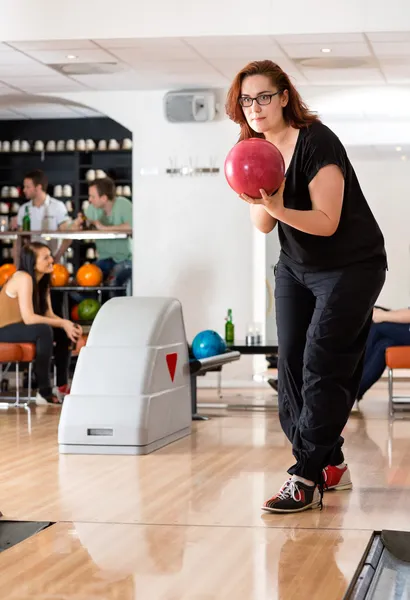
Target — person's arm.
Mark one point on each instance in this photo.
(65, 224)
(124, 215)
(121, 227)
(262, 219)
(51, 315)
(24, 287)
(402, 315)
(326, 192)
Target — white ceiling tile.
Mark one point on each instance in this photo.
(390, 48)
(116, 81)
(7, 114)
(230, 67)
(338, 50)
(343, 76)
(84, 111)
(320, 38)
(245, 47)
(53, 45)
(60, 56)
(246, 53)
(7, 91)
(136, 55)
(14, 57)
(44, 84)
(389, 36)
(146, 43)
(33, 69)
(173, 66)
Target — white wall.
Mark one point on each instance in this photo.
(386, 184)
(192, 237)
(46, 19)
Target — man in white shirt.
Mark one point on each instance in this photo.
(46, 213)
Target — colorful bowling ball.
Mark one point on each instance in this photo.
(59, 276)
(208, 343)
(252, 165)
(89, 275)
(74, 313)
(87, 309)
(6, 271)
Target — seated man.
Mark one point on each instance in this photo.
(389, 328)
(108, 212)
(46, 214)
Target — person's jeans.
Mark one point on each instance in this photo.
(381, 337)
(119, 273)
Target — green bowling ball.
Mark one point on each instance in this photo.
(87, 309)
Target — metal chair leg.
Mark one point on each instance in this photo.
(219, 378)
(390, 385)
(30, 372)
(17, 384)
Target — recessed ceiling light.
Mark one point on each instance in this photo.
(326, 50)
(71, 56)
(398, 148)
(404, 157)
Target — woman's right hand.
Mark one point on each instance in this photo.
(72, 330)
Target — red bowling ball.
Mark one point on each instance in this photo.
(254, 164)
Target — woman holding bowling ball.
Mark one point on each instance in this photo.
(26, 315)
(331, 269)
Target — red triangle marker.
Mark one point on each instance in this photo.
(172, 364)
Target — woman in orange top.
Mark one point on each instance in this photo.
(26, 315)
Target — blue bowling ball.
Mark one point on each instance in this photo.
(208, 343)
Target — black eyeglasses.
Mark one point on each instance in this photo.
(262, 100)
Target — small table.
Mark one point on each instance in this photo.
(268, 347)
(200, 367)
(264, 347)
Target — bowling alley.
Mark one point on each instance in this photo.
(204, 300)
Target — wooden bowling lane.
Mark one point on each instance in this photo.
(219, 475)
(83, 561)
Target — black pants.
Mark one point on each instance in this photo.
(323, 320)
(43, 337)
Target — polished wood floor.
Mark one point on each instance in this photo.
(184, 523)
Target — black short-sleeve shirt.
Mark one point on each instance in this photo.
(358, 237)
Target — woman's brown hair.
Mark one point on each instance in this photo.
(295, 113)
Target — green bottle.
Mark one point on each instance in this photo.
(229, 328)
(26, 221)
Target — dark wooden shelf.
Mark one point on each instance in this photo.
(64, 166)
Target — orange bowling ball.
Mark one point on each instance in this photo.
(89, 275)
(59, 276)
(6, 271)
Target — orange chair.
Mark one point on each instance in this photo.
(397, 357)
(17, 353)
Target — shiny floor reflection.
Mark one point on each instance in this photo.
(185, 521)
(155, 562)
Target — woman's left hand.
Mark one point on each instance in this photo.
(273, 204)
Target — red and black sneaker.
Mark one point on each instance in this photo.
(337, 478)
(294, 496)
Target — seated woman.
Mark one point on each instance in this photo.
(389, 328)
(26, 316)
